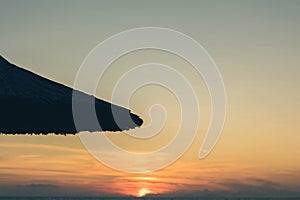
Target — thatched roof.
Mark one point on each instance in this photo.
(30, 103)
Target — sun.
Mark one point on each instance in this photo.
(143, 192)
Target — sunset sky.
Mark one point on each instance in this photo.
(255, 45)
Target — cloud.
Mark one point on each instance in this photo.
(47, 189)
(251, 188)
(39, 186)
(34, 189)
(58, 176)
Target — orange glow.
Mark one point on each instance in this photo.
(142, 192)
(51, 160)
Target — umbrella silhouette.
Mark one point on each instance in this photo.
(30, 103)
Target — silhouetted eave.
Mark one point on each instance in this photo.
(33, 104)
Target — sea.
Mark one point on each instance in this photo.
(148, 198)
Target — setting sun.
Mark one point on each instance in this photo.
(107, 100)
(142, 192)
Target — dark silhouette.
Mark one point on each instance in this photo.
(30, 103)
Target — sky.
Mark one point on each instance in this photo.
(255, 45)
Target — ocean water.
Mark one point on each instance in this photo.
(146, 198)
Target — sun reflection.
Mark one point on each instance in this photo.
(143, 192)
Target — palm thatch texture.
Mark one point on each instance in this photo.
(30, 104)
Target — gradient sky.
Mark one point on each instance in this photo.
(256, 46)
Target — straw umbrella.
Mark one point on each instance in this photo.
(30, 104)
